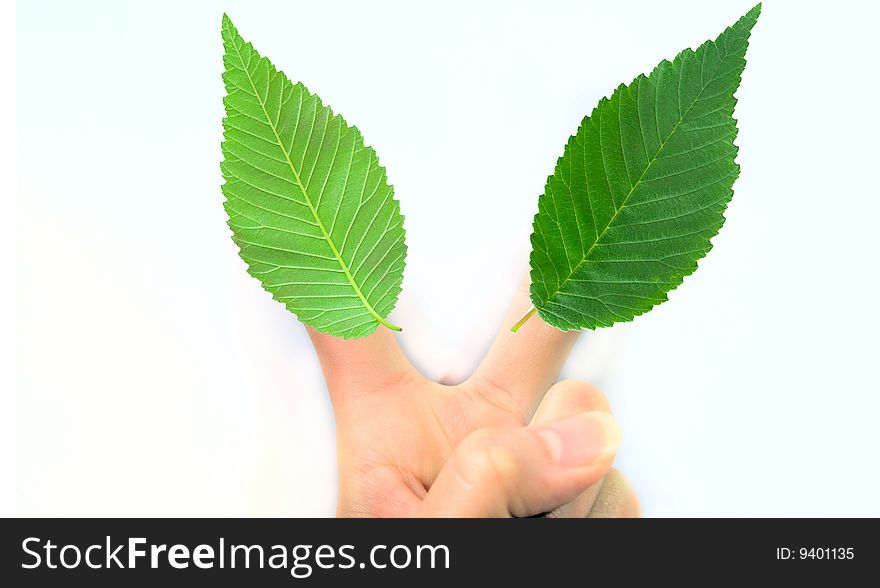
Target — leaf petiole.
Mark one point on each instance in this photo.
(389, 325)
(523, 320)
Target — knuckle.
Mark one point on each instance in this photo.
(490, 390)
(580, 395)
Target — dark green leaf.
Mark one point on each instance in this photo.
(640, 189)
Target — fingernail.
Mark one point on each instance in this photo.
(582, 439)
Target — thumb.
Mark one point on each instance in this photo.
(525, 470)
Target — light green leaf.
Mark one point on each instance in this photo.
(640, 189)
(309, 205)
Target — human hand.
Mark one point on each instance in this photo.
(505, 442)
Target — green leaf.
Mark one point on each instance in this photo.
(309, 205)
(640, 189)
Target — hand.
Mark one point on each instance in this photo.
(506, 442)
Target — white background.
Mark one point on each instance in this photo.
(154, 377)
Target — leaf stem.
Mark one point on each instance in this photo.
(389, 325)
(523, 320)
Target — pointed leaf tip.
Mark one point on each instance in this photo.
(749, 19)
(226, 27)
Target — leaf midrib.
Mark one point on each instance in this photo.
(632, 190)
(311, 207)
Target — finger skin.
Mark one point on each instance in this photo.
(519, 471)
(616, 499)
(564, 399)
(524, 364)
(569, 397)
(354, 367)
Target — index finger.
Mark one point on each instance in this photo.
(355, 366)
(524, 364)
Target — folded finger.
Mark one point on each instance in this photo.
(564, 399)
(522, 471)
(616, 499)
